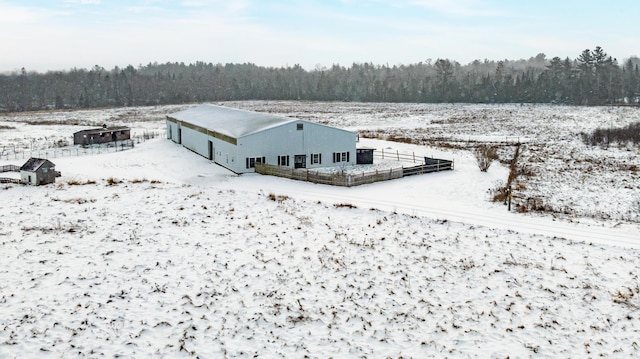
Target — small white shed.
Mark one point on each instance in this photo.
(237, 139)
(38, 171)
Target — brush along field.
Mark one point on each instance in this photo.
(156, 252)
(557, 173)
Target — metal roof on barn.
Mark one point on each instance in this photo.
(33, 164)
(230, 121)
(103, 129)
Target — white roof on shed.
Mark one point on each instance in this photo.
(229, 121)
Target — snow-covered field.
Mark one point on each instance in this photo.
(564, 176)
(155, 252)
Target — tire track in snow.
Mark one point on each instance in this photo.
(509, 221)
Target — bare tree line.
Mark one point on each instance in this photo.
(605, 136)
(592, 78)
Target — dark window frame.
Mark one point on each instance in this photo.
(283, 161)
(316, 158)
(341, 157)
(250, 162)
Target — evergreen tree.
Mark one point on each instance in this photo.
(593, 78)
(444, 81)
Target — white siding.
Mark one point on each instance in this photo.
(226, 155)
(173, 131)
(30, 178)
(195, 141)
(286, 138)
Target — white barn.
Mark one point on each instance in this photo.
(237, 139)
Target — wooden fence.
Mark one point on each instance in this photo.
(9, 168)
(430, 165)
(344, 179)
(349, 178)
(397, 156)
(10, 180)
(51, 151)
(57, 152)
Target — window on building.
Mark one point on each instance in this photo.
(299, 126)
(316, 158)
(340, 157)
(283, 160)
(251, 161)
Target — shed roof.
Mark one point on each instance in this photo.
(33, 164)
(104, 129)
(229, 121)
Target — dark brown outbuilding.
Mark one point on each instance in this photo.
(101, 135)
(38, 171)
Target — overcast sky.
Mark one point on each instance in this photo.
(46, 35)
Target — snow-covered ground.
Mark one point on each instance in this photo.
(156, 252)
(563, 176)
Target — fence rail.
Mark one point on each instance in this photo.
(335, 179)
(10, 180)
(397, 156)
(9, 168)
(53, 152)
(430, 165)
(350, 179)
(57, 152)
